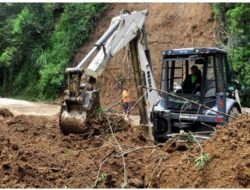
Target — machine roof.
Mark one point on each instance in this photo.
(192, 51)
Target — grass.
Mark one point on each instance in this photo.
(202, 160)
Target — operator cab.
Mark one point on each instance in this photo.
(177, 65)
(187, 107)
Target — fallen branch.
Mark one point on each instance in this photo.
(157, 166)
(100, 167)
(195, 139)
(138, 148)
(191, 101)
(138, 100)
(106, 141)
(204, 157)
(125, 177)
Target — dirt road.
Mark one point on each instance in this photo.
(18, 107)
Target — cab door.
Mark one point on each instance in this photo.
(214, 78)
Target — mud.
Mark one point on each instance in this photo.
(34, 153)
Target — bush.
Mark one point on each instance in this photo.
(37, 43)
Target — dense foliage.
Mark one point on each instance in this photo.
(235, 37)
(37, 42)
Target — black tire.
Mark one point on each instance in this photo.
(160, 129)
(234, 112)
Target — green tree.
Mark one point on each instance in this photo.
(37, 42)
(234, 18)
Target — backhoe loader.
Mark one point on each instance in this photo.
(167, 111)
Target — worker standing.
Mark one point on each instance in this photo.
(125, 101)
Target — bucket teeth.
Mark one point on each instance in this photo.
(76, 115)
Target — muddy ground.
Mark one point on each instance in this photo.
(34, 153)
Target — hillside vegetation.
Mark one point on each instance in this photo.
(234, 35)
(37, 42)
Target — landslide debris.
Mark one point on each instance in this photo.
(41, 156)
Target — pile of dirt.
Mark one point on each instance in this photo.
(40, 156)
(103, 123)
(34, 153)
(229, 165)
(5, 113)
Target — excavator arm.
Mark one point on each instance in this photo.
(82, 100)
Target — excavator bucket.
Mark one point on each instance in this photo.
(76, 114)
